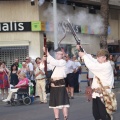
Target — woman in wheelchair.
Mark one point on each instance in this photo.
(22, 84)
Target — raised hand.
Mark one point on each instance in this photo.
(81, 54)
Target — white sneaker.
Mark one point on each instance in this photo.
(2, 98)
(5, 100)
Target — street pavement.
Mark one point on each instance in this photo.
(79, 109)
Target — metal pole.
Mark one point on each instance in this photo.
(55, 24)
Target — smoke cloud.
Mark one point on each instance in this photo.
(79, 16)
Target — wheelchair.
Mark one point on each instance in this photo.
(21, 97)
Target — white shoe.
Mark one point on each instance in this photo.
(2, 98)
(5, 100)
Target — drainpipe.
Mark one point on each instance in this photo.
(55, 24)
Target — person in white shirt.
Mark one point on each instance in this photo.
(58, 94)
(48, 76)
(76, 74)
(111, 58)
(117, 59)
(30, 66)
(102, 69)
(40, 80)
(70, 79)
(90, 76)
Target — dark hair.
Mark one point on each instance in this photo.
(37, 58)
(112, 57)
(3, 62)
(13, 66)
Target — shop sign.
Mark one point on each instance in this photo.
(15, 26)
(36, 26)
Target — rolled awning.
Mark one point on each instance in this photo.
(14, 43)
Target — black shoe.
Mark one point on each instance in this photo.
(65, 118)
(56, 118)
(72, 97)
(41, 102)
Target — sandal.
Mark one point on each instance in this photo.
(65, 118)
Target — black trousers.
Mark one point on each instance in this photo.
(99, 110)
(76, 84)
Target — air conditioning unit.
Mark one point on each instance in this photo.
(92, 10)
(32, 2)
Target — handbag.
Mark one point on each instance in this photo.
(48, 80)
(88, 93)
(49, 74)
(31, 90)
(109, 99)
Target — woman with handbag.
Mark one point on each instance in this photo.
(111, 58)
(102, 69)
(14, 75)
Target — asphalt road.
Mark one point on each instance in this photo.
(80, 110)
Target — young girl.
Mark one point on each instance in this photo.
(14, 76)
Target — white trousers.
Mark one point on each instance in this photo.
(40, 84)
(12, 91)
